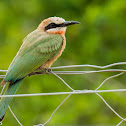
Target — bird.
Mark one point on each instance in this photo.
(38, 51)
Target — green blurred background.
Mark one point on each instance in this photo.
(100, 39)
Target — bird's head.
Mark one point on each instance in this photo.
(55, 25)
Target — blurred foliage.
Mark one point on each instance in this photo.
(100, 39)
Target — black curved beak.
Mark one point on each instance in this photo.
(67, 23)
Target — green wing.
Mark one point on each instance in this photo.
(36, 49)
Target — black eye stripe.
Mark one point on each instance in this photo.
(51, 25)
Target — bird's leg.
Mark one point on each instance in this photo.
(40, 72)
(34, 73)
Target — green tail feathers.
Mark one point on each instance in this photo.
(4, 102)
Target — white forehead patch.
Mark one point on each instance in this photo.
(56, 20)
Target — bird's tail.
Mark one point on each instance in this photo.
(5, 101)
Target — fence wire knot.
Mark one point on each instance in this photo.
(101, 69)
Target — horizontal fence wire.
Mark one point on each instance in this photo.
(73, 91)
(65, 93)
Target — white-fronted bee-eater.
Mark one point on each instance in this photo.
(38, 51)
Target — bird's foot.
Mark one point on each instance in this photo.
(48, 71)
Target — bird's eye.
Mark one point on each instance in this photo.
(51, 25)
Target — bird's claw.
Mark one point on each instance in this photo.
(48, 71)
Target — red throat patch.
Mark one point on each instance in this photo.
(57, 32)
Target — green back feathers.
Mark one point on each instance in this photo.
(36, 49)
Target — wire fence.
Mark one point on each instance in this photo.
(56, 73)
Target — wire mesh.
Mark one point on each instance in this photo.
(73, 91)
